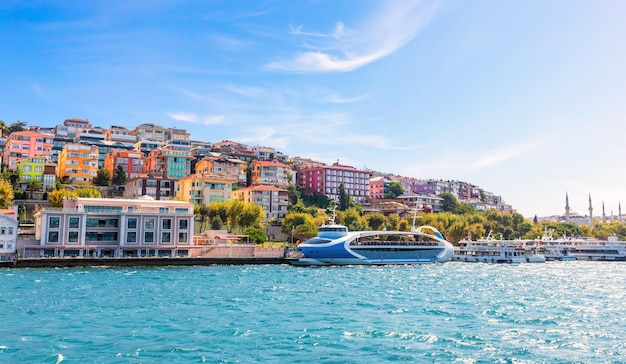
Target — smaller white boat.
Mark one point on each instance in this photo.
(498, 251)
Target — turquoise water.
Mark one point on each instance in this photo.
(557, 312)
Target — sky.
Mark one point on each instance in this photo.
(526, 99)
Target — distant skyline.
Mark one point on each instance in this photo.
(524, 99)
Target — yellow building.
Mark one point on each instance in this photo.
(203, 189)
(78, 163)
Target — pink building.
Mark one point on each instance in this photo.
(327, 179)
(26, 144)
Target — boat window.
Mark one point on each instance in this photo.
(317, 240)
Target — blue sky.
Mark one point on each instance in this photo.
(525, 99)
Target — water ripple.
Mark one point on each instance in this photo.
(462, 313)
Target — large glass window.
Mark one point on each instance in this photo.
(72, 237)
(74, 221)
(166, 237)
(131, 237)
(149, 224)
(53, 222)
(100, 236)
(149, 237)
(182, 237)
(183, 224)
(132, 222)
(53, 236)
(167, 224)
(101, 222)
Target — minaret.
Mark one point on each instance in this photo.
(619, 211)
(566, 207)
(603, 213)
(590, 211)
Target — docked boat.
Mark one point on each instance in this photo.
(335, 245)
(596, 249)
(558, 249)
(498, 251)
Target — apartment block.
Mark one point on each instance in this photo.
(131, 161)
(203, 189)
(176, 164)
(326, 180)
(230, 168)
(270, 173)
(26, 144)
(273, 200)
(78, 163)
(92, 227)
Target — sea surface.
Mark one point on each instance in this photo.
(557, 312)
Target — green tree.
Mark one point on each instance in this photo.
(395, 190)
(216, 223)
(32, 187)
(234, 214)
(202, 213)
(119, 177)
(4, 129)
(88, 192)
(252, 216)
(256, 235)
(56, 197)
(103, 177)
(345, 201)
(375, 220)
(17, 126)
(6, 194)
(449, 203)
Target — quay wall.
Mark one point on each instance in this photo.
(135, 262)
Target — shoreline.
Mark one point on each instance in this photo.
(134, 262)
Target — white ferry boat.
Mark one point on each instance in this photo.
(596, 249)
(498, 251)
(558, 249)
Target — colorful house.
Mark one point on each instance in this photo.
(26, 144)
(203, 189)
(273, 200)
(226, 167)
(78, 163)
(176, 164)
(270, 173)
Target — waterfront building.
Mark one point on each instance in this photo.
(273, 200)
(270, 173)
(203, 189)
(326, 180)
(78, 163)
(230, 168)
(97, 227)
(26, 144)
(155, 185)
(130, 160)
(176, 164)
(8, 233)
(37, 169)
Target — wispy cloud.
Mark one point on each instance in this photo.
(183, 116)
(502, 155)
(345, 49)
(213, 120)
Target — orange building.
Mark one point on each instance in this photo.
(225, 167)
(270, 173)
(130, 160)
(78, 163)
